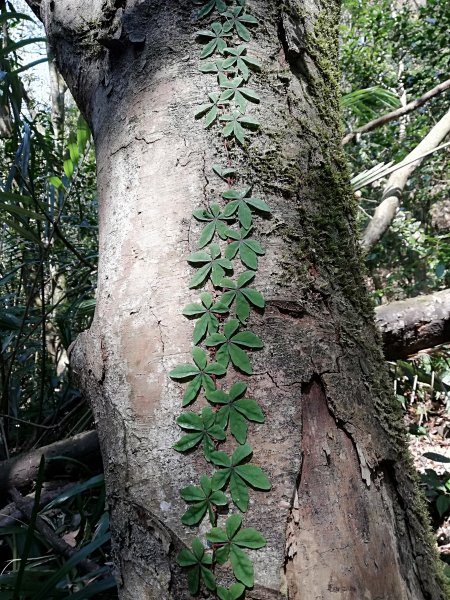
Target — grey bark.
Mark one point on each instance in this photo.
(387, 209)
(358, 530)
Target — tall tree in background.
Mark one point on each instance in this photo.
(343, 518)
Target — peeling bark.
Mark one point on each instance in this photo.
(132, 67)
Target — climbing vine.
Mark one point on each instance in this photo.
(226, 248)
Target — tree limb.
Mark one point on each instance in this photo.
(408, 326)
(21, 470)
(398, 112)
(386, 211)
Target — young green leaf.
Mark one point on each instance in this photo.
(242, 296)
(235, 410)
(216, 223)
(209, 264)
(215, 39)
(239, 475)
(231, 541)
(203, 499)
(238, 20)
(203, 429)
(230, 343)
(219, 5)
(199, 373)
(242, 202)
(199, 565)
(248, 249)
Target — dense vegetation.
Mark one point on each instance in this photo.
(54, 539)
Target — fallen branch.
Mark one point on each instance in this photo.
(21, 470)
(398, 112)
(408, 326)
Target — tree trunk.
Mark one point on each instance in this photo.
(343, 519)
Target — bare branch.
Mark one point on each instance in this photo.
(386, 211)
(398, 112)
(22, 470)
(408, 326)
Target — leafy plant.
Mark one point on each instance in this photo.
(243, 203)
(241, 60)
(236, 410)
(217, 223)
(228, 544)
(209, 264)
(200, 375)
(248, 249)
(238, 475)
(198, 564)
(205, 498)
(235, 124)
(242, 296)
(230, 344)
(204, 429)
(224, 340)
(206, 314)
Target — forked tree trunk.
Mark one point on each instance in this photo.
(343, 519)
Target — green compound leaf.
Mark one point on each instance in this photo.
(203, 429)
(230, 344)
(230, 543)
(247, 248)
(235, 123)
(198, 564)
(236, 411)
(238, 20)
(209, 110)
(225, 173)
(206, 313)
(204, 499)
(243, 203)
(210, 264)
(199, 374)
(215, 39)
(242, 296)
(239, 476)
(216, 66)
(233, 90)
(238, 58)
(217, 223)
(219, 5)
(233, 593)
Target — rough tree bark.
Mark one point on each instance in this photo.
(343, 519)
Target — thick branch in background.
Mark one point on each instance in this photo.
(398, 112)
(415, 324)
(387, 209)
(22, 470)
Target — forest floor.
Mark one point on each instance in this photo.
(429, 425)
